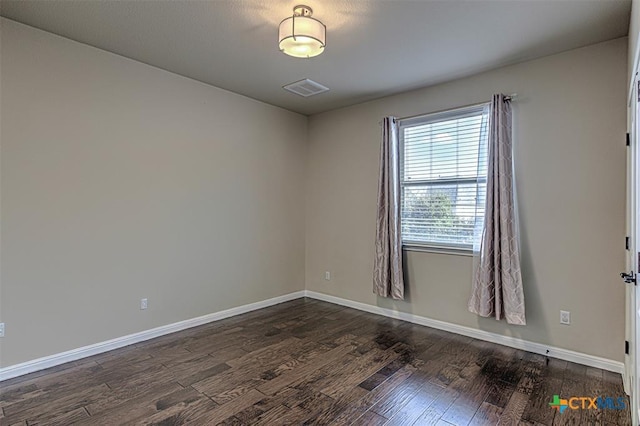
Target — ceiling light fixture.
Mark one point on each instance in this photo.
(301, 35)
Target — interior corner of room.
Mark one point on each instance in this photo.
(121, 181)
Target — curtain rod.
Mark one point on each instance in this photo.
(507, 98)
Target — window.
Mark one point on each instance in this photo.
(443, 177)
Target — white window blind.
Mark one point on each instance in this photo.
(443, 177)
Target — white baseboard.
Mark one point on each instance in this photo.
(86, 351)
(513, 342)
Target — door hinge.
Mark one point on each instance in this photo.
(638, 91)
(628, 140)
(626, 347)
(627, 240)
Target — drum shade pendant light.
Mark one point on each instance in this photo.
(301, 35)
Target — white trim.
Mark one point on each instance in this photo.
(513, 342)
(634, 71)
(86, 351)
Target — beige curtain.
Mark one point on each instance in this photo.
(387, 271)
(497, 281)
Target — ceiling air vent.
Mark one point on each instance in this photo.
(305, 88)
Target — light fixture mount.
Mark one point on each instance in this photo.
(300, 35)
(302, 10)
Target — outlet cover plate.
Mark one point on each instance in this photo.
(565, 317)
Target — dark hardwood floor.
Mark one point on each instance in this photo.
(310, 362)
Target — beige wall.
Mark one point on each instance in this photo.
(570, 156)
(121, 181)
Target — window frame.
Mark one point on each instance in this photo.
(455, 113)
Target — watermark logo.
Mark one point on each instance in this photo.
(588, 403)
(559, 404)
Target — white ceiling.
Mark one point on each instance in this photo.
(374, 47)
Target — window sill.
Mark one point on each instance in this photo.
(439, 250)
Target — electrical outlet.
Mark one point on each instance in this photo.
(1, 329)
(327, 275)
(143, 304)
(565, 317)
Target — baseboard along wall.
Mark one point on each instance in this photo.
(97, 348)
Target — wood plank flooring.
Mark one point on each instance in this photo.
(310, 362)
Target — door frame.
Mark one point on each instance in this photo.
(632, 295)
(630, 358)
